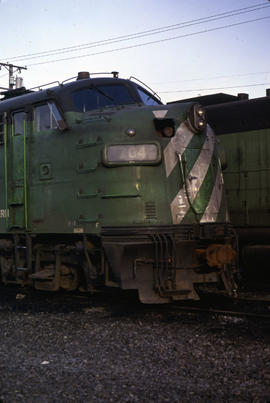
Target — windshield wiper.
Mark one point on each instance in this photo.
(103, 93)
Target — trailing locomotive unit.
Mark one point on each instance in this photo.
(103, 185)
(243, 127)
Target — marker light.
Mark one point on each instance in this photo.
(196, 118)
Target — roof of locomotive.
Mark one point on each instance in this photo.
(239, 116)
(211, 99)
(62, 91)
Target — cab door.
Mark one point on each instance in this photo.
(16, 175)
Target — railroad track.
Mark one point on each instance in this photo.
(225, 312)
(244, 306)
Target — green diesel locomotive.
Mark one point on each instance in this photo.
(243, 128)
(103, 185)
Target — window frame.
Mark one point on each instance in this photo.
(12, 116)
(56, 116)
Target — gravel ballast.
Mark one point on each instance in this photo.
(103, 350)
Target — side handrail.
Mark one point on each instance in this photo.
(184, 179)
(25, 173)
(6, 168)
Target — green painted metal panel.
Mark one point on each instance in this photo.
(15, 178)
(247, 177)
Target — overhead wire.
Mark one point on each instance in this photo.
(138, 35)
(213, 88)
(157, 31)
(211, 78)
(151, 42)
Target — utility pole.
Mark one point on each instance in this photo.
(10, 67)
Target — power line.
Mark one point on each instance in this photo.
(138, 35)
(214, 88)
(143, 34)
(151, 42)
(211, 78)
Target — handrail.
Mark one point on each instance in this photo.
(6, 168)
(184, 179)
(25, 174)
(146, 87)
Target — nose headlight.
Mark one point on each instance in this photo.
(168, 131)
(165, 127)
(197, 118)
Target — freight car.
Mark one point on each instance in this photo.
(103, 185)
(243, 128)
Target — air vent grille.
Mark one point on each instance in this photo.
(150, 211)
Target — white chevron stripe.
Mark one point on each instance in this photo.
(212, 210)
(177, 145)
(180, 204)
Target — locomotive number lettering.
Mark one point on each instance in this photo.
(4, 213)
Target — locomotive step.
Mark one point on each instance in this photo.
(46, 274)
(22, 269)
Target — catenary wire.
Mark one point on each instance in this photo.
(151, 42)
(211, 78)
(138, 35)
(214, 88)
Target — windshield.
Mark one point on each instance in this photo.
(102, 96)
(147, 98)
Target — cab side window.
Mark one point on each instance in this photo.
(47, 117)
(18, 123)
(147, 98)
(1, 129)
(44, 118)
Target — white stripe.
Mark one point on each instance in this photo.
(177, 145)
(180, 205)
(160, 114)
(212, 210)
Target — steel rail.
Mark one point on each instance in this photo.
(224, 312)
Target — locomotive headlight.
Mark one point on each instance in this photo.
(126, 154)
(197, 118)
(168, 131)
(164, 127)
